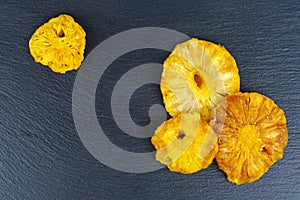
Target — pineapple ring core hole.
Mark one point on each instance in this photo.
(181, 134)
(61, 33)
(199, 80)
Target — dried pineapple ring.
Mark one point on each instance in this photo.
(196, 76)
(59, 44)
(252, 136)
(185, 143)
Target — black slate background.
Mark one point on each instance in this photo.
(41, 155)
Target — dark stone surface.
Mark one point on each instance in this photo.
(41, 155)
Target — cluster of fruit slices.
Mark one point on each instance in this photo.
(211, 118)
(200, 84)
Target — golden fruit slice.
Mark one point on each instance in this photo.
(59, 44)
(252, 136)
(196, 76)
(185, 143)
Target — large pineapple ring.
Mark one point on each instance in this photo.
(252, 136)
(196, 76)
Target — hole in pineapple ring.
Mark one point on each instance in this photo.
(61, 33)
(199, 80)
(181, 134)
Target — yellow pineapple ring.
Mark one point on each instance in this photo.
(59, 44)
(252, 136)
(185, 143)
(196, 76)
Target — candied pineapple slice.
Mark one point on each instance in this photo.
(196, 76)
(59, 44)
(252, 136)
(185, 143)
